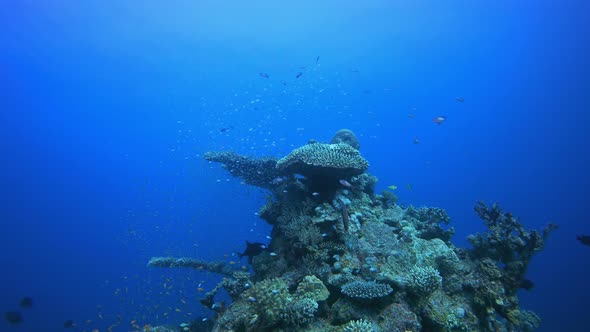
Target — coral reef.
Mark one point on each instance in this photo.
(343, 258)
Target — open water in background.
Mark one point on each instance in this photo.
(106, 109)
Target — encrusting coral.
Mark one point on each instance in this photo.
(343, 258)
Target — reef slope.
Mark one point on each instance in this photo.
(344, 258)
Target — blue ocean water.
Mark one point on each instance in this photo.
(108, 107)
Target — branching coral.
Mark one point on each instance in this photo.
(260, 172)
(507, 242)
(215, 267)
(361, 325)
(424, 280)
(366, 290)
(302, 232)
(428, 222)
(273, 305)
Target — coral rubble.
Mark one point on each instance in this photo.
(343, 258)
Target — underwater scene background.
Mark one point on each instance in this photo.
(108, 109)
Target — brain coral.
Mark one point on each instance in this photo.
(346, 136)
(317, 159)
(313, 288)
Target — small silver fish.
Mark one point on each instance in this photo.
(277, 180)
(315, 193)
(252, 299)
(273, 254)
(345, 183)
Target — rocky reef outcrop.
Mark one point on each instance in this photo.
(343, 258)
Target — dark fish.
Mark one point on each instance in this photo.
(298, 74)
(13, 317)
(252, 249)
(317, 59)
(265, 75)
(68, 324)
(459, 99)
(26, 302)
(584, 239)
(416, 140)
(345, 220)
(225, 129)
(526, 284)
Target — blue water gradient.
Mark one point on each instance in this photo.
(107, 108)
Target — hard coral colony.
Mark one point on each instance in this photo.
(385, 268)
